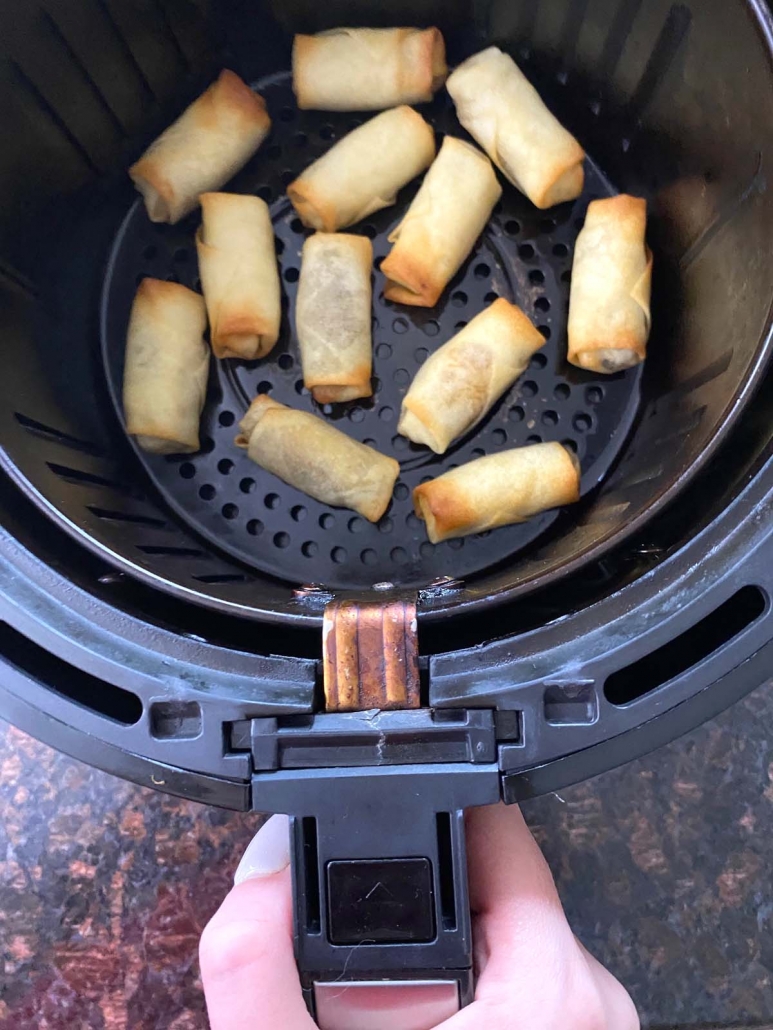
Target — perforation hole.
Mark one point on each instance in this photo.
(560, 250)
(285, 362)
(247, 485)
(526, 251)
(542, 304)
(421, 354)
(383, 351)
(300, 139)
(298, 513)
(207, 492)
(369, 556)
(264, 386)
(457, 544)
(255, 527)
(339, 555)
(370, 231)
(385, 525)
(300, 389)
(287, 177)
(536, 277)
(355, 525)
(327, 521)
(482, 271)
(412, 521)
(538, 361)
(561, 392)
(499, 436)
(207, 445)
(398, 555)
(490, 297)
(547, 225)
(426, 549)
(400, 492)
(431, 328)
(401, 376)
(529, 388)
(545, 330)
(230, 511)
(225, 466)
(582, 422)
(594, 395)
(516, 414)
(309, 549)
(459, 298)
(512, 228)
(534, 438)
(400, 326)
(187, 470)
(400, 443)
(566, 276)
(226, 418)
(265, 193)
(327, 132)
(291, 275)
(570, 445)
(386, 414)
(272, 501)
(281, 540)
(550, 418)
(356, 415)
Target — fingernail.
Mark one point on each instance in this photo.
(268, 852)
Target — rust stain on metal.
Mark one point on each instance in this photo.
(370, 654)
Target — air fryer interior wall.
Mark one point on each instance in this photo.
(664, 106)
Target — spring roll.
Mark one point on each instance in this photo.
(499, 107)
(332, 316)
(166, 368)
(363, 171)
(498, 490)
(202, 150)
(368, 69)
(462, 380)
(239, 275)
(442, 224)
(609, 301)
(317, 459)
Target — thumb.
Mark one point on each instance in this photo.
(246, 951)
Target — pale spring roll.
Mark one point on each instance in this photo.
(317, 459)
(239, 275)
(442, 224)
(333, 318)
(363, 171)
(499, 107)
(462, 380)
(609, 301)
(368, 69)
(166, 367)
(498, 490)
(202, 150)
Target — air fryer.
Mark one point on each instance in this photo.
(162, 616)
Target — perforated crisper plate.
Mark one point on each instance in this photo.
(524, 255)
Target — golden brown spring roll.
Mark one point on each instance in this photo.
(609, 301)
(166, 367)
(498, 490)
(499, 107)
(368, 69)
(239, 275)
(314, 457)
(462, 380)
(202, 150)
(332, 316)
(363, 171)
(441, 226)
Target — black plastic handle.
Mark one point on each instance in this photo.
(380, 887)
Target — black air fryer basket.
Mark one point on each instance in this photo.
(162, 616)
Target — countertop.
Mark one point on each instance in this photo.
(663, 865)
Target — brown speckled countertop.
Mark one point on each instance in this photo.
(664, 867)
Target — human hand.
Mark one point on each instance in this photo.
(532, 973)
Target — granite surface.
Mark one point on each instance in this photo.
(663, 865)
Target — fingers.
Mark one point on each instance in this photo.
(513, 895)
(532, 972)
(246, 951)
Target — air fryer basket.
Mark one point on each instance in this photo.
(215, 530)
